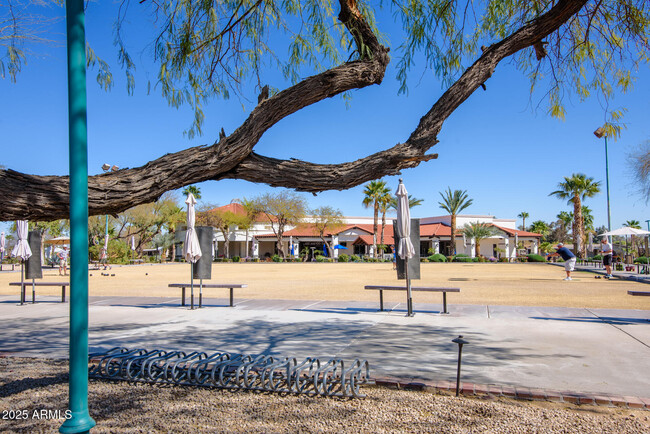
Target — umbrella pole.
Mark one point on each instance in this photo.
(409, 300)
(200, 293)
(192, 285)
(33, 291)
(22, 282)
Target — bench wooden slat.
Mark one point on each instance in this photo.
(231, 286)
(382, 288)
(27, 283)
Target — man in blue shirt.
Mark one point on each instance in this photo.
(569, 259)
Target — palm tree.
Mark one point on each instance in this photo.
(374, 194)
(636, 225)
(196, 191)
(478, 231)
(454, 202)
(523, 216)
(565, 218)
(540, 227)
(413, 201)
(575, 189)
(384, 206)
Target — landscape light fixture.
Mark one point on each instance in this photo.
(460, 341)
(106, 167)
(600, 133)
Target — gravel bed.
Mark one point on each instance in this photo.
(119, 407)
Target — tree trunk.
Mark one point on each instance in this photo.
(278, 244)
(453, 234)
(383, 226)
(477, 249)
(374, 228)
(46, 198)
(577, 225)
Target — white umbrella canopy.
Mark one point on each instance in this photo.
(21, 249)
(191, 247)
(626, 231)
(405, 249)
(132, 242)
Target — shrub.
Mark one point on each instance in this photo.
(462, 255)
(598, 258)
(463, 259)
(236, 258)
(641, 260)
(256, 259)
(492, 259)
(449, 258)
(522, 259)
(480, 259)
(504, 259)
(320, 258)
(343, 257)
(355, 258)
(535, 258)
(276, 258)
(437, 257)
(424, 260)
(476, 259)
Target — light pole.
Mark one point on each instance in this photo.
(600, 133)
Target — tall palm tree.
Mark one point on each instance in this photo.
(374, 193)
(413, 201)
(575, 189)
(540, 227)
(478, 231)
(523, 216)
(454, 202)
(196, 191)
(565, 218)
(636, 225)
(384, 206)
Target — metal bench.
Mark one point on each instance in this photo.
(34, 284)
(232, 286)
(642, 293)
(382, 288)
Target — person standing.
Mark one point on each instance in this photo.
(63, 261)
(569, 259)
(608, 253)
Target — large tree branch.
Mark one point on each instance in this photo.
(46, 197)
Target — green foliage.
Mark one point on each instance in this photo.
(461, 255)
(236, 258)
(276, 258)
(454, 202)
(535, 258)
(343, 257)
(642, 260)
(196, 191)
(462, 259)
(437, 258)
(355, 258)
(320, 258)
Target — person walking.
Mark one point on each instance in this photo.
(608, 253)
(569, 259)
(63, 261)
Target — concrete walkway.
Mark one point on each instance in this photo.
(580, 350)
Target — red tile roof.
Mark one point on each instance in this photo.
(519, 233)
(435, 230)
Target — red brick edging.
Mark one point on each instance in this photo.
(517, 392)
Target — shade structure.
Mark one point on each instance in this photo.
(626, 231)
(191, 247)
(21, 249)
(405, 248)
(338, 246)
(291, 245)
(58, 241)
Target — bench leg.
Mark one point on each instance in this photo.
(183, 298)
(62, 293)
(200, 300)
(231, 297)
(444, 302)
(381, 300)
(33, 294)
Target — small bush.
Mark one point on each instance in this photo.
(476, 259)
(343, 257)
(641, 260)
(599, 258)
(503, 259)
(424, 260)
(355, 258)
(535, 258)
(449, 258)
(522, 259)
(462, 255)
(236, 258)
(320, 258)
(437, 257)
(480, 259)
(492, 259)
(276, 258)
(463, 259)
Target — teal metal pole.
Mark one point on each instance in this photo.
(609, 214)
(80, 420)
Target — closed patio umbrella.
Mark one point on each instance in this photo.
(2, 246)
(405, 248)
(21, 250)
(191, 247)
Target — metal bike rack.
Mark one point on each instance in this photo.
(232, 371)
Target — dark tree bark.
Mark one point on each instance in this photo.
(45, 198)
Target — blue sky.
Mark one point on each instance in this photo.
(506, 153)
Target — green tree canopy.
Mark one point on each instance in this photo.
(478, 232)
(210, 49)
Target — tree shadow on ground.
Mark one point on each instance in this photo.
(602, 319)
